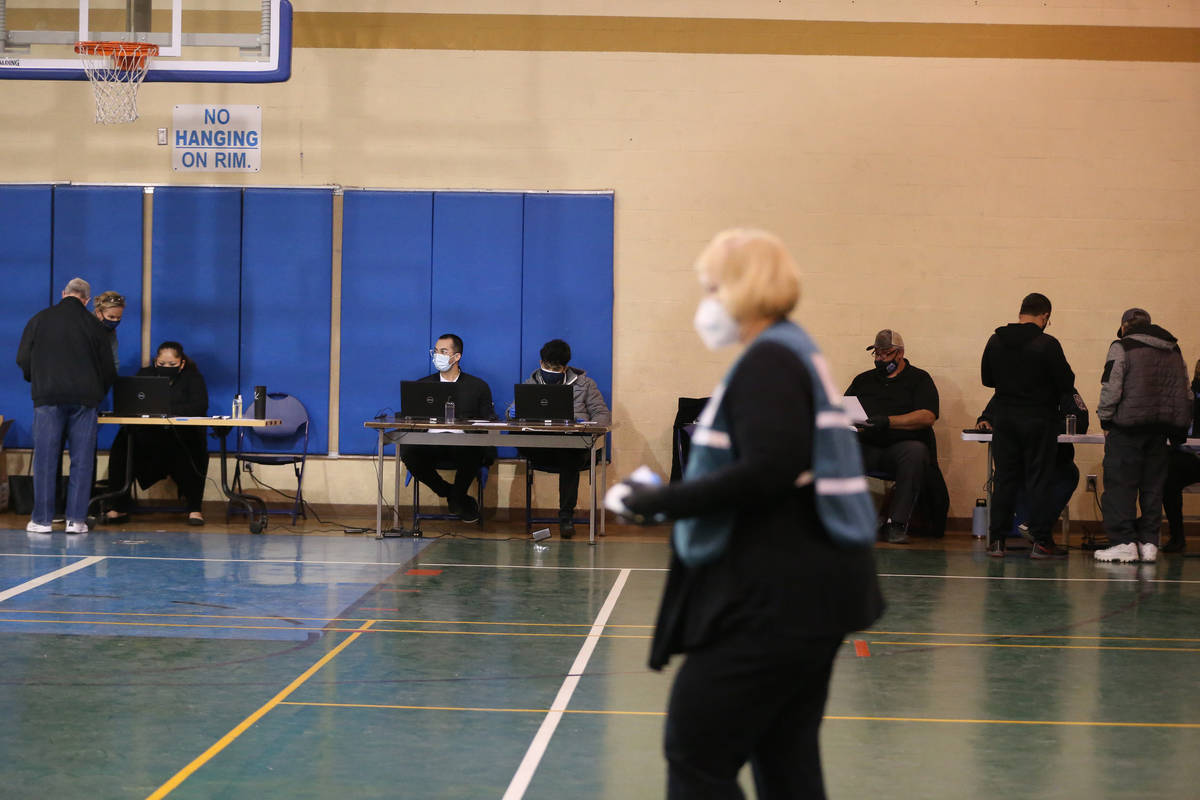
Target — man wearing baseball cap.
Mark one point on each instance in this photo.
(1144, 401)
(901, 403)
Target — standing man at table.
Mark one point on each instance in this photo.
(1027, 368)
(1144, 401)
(66, 357)
(901, 402)
(473, 399)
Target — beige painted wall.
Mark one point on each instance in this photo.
(923, 194)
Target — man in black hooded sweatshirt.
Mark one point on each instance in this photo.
(1027, 368)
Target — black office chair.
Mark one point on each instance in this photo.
(681, 433)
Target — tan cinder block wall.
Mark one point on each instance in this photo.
(918, 192)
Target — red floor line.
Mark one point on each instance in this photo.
(860, 649)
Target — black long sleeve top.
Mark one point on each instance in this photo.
(781, 575)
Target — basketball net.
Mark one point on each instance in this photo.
(115, 70)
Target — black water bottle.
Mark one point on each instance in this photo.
(260, 402)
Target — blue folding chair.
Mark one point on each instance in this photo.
(418, 515)
(274, 446)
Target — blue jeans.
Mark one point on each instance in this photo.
(49, 424)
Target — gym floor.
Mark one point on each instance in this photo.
(151, 660)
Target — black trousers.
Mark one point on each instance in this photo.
(175, 453)
(568, 464)
(1183, 469)
(750, 697)
(1135, 470)
(424, 461)
(1023, 450)
(906, 462)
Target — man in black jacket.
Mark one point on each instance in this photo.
(901, 403)
(1027, 368)
(473, 398)
(65, 355)
(1144, 400)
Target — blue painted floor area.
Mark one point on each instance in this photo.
(225, 586)
(425, 668)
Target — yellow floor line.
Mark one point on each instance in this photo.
(1048, 646)
(839, 717)
(317, 619)
(322, 630)
(224, 741)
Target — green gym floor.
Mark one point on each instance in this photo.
(139, 662)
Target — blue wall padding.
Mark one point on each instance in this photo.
(98, 237)
(196, 253)
(386, 280)
(287, 248)
(25, 214)
(567, 289)
(477, 283)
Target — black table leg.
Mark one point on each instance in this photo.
(98, 517)
(256, 507)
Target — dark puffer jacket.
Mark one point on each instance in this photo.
(1145, 384)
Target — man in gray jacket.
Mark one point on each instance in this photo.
(1144, 400)
(589, 406)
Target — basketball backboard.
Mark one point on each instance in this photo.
(218, 41)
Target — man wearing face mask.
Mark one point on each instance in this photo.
(473, 400)
(589, 405)
(1027, 368)
(1145, 402)
(901, 402)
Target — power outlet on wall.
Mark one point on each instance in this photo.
(1091, 483)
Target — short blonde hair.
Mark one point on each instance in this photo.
(107, 300)
(754, 273)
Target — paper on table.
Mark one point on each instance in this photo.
(488, 424)
(445, 430)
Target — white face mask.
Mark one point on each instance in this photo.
(441, 362)
(714, 325)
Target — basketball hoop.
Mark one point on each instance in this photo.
(116, 70)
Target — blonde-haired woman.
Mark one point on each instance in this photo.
(772, 562)
(109, 307)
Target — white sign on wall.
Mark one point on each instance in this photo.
(216, 138)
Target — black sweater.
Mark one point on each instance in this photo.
(1027, 368)
(782, 575)
(66, 354)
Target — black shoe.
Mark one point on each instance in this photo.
(566, 528)
(1046, 549)
(1174, 545)
(894, 533)
(467, 509)
(995, 546)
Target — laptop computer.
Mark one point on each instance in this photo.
(426, 400)
(540, 402)
(142, 396)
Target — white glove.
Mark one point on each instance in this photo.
(615, 497)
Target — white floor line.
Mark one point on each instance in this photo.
(337, 563)
(33, 583)
(537, 748)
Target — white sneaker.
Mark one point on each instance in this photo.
(77, 527)
(1148, 552)
(1124, 553)
(33, 527)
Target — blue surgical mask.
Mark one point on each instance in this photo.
(441, 362)
(552, 377)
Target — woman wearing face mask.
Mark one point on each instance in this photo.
(178, 452)
(772, 562)
(109, 308)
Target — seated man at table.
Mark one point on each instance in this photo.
(589, 406)
(1064, 478)
(901, 403)
(473, 400)
(164, 451)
